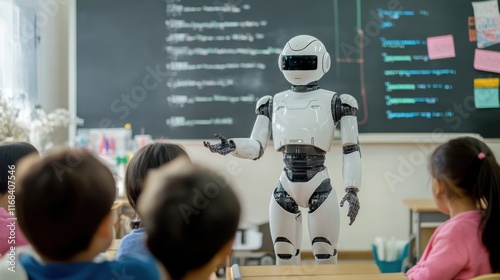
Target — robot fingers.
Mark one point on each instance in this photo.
(353, 201)
(222, 138)
(223, 148)
(353, 212)
(212, 148)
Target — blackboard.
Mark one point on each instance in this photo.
(186, 69)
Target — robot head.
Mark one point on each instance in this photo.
(303, 60)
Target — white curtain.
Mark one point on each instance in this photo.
(18, 56)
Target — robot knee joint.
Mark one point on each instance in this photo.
(284, 249)
(323, 249)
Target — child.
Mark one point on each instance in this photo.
(10, 234)
(191, 216)
(64, 209)
(146, 158)
(466, 186)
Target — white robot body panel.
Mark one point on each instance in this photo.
(349, 128)
(349, 100)
(324, 224)
(262, 101)
(253, 147)
(303, 119)
(302, 191)
(288, 226)
(351, 170)
(246, 148)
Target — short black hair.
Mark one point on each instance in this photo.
(146, 158)
(10, 154)
(189, 213)
(62, 200)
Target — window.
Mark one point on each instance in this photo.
(18, 56)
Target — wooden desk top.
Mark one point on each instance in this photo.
(380, 276)
(307, 269)
(421, 205)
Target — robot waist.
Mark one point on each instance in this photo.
(301, 174)
(303, 161)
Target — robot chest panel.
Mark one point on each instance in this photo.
(303, 119)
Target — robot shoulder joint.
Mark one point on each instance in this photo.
(265, 106)
(349, 100)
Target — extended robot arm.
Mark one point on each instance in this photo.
(352, 157)
(253, 147)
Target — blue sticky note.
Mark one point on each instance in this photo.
(486, 98)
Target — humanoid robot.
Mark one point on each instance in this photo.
(302, 121)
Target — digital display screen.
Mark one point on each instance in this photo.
(300, 62)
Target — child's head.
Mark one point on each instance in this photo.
(468, 172)
(146, 158)
(64, 205)
(10, 154)
(466, 166)
(190, 215)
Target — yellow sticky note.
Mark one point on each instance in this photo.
(486, 83)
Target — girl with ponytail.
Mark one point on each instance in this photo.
(466, 186)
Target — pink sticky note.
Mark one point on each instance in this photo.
(487, 61)
(441, 47)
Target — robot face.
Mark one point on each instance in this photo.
(304, 60)
(299, 62)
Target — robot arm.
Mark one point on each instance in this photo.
(347, 107)
(253, 147)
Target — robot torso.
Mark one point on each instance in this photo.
(303, 118)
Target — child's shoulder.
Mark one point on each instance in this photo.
(140, 267)
(11, 268)
(462, 224)
(127, 268)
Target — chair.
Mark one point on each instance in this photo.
(492, 276)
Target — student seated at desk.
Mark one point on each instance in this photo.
(10, 154)
(145, 159)
(466, 176)
(190, 216)
(64, 208)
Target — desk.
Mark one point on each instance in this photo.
(422, 211)
(380, 276)
(313, 271)
(307, 269)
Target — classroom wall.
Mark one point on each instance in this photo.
(393, 169)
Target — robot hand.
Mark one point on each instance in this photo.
(223, 148)
(352, 198)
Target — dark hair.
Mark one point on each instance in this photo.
(62, 200)
(469, 164)
(189, 214)
(146, 158)
(10, 154)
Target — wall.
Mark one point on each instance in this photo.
(52, 56)
(382, 211)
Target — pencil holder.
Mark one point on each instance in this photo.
(391, 266)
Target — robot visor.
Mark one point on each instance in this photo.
(300, 62)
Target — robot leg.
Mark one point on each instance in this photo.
(285, 222)
(324, 223)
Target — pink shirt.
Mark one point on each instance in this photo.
(455, 251)
(5, 233)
